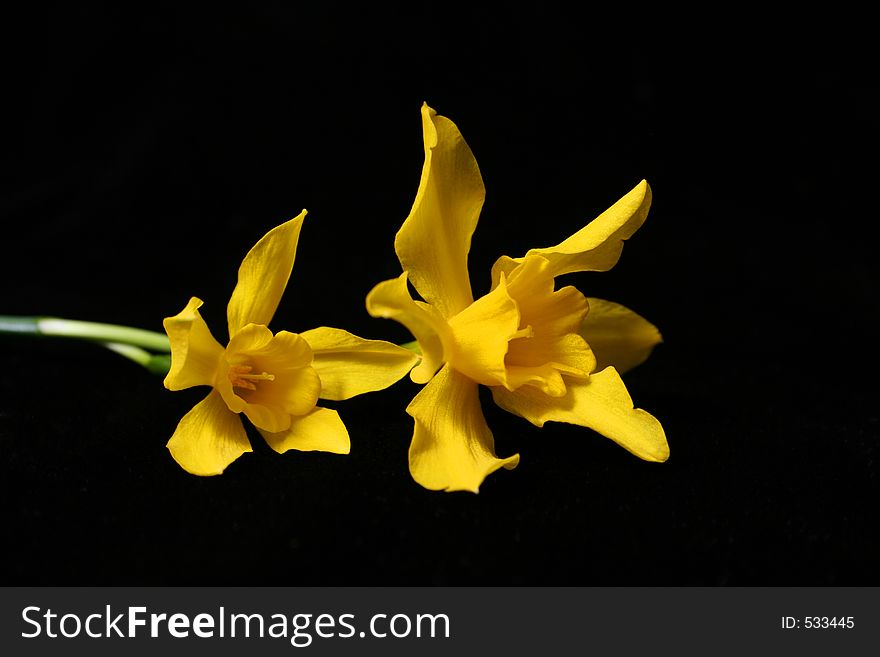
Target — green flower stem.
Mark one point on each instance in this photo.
(155, 363)
(132, 343)
(25, 325)
(70, 328)
(104, 333)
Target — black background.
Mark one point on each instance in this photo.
(145, 152)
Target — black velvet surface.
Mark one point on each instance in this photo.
(146, 152)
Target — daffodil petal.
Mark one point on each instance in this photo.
(601, 403)
(434, 241)
(349, 365)
(618, 336)
(263, 275)
(391, 299)
(481, 333)
(321, 430)
(208, 438)
(195, 354)
(596, 246)
(452, 447)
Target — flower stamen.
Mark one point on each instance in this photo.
(240, 377)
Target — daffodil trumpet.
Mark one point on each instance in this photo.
(547, 354)
(135, 344)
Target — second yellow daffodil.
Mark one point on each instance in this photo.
(546, 354)
(274, 379)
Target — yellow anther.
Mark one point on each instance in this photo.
(241, 377)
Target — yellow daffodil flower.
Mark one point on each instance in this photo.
(273, 379)
(546, 354)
